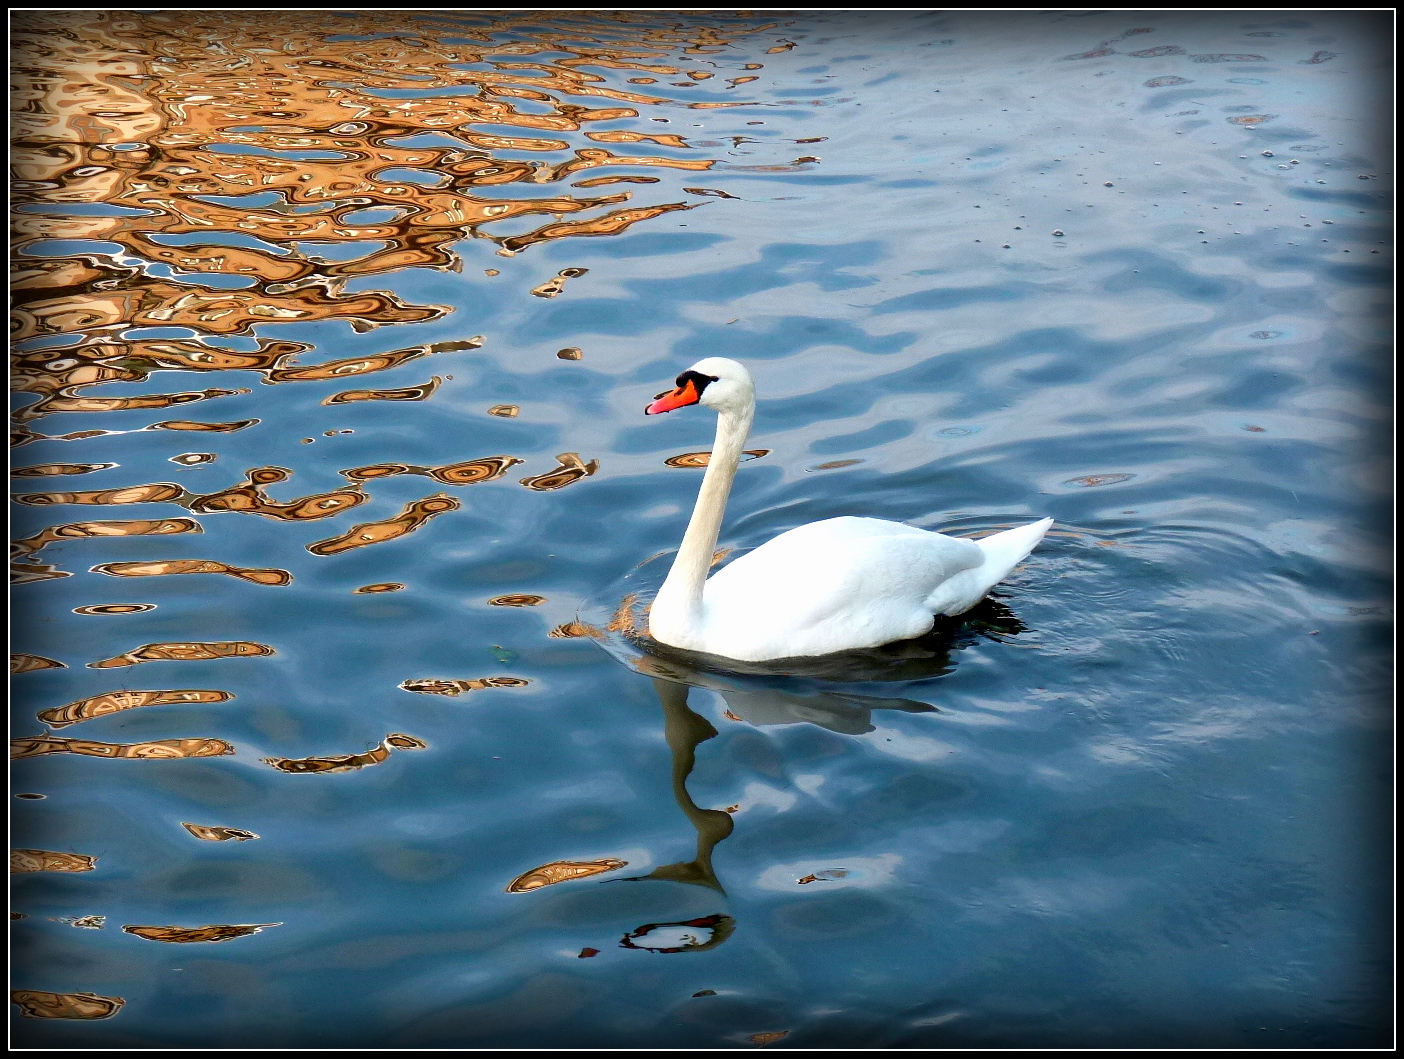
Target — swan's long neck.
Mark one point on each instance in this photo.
(677, 609)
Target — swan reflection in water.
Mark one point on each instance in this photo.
(790, 691)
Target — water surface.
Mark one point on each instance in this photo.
(401, 286)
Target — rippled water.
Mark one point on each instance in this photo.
(1128, 271)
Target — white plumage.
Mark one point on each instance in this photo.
(836, 585)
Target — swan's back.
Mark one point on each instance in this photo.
(834, 585)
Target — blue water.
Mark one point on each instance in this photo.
(1150, 808)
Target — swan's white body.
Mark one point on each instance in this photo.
(836, 585)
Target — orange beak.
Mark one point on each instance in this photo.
(685, 394)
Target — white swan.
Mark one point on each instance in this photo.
(836, 585)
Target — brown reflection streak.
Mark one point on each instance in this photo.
(22, 663)
(189, 424)
(132, 494)
(35, 1004)
(30, 546)
(186, 935)
(193, 566)
(218, 834)
(562, 871)
(522, 600)
(117, 701)
(571, 469)
(469, 472)
(415, 514)
(505, 411)
(700, 459)
(37, 746)
(29, 860)
(436, 686)
(556, 284)
(44, 470)
(138, 110)
(406, 393)
(102, 609)
(185, 652)
(347, 762)
(383, 586)
(248, 496)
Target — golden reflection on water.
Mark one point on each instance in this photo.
(562, 871)
(218, 834)
(156, 749)
(30, 860)
(34, 1004)
(183, 169)
(117, 701)
(348, 762)
(23, 663)
(187, 935)
(184, 652)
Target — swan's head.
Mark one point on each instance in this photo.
(718, 383)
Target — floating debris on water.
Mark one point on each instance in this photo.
(520, 600)
(405, 393)
(189, 935)
(437, 686)
(34, 1004)
(114, 608)
(587, 952)
(184, 652)
(571, 469)
(381, 586)
(506, 411)
(689, 935)
(30, 860)
(157, 749)
(45, 470)
(163, 567)
(562, 871)
(705, 992)
(22, 663)
(556, 284)
(414, 515)
(701, 459)
(219, 834)
(117, 701)
(347, 762)
(570, 353)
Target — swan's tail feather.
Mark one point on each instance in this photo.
(1006, 550)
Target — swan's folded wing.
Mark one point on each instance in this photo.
(809, 593)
